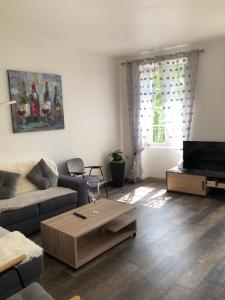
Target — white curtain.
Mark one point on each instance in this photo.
(178, 78)
(140, 96)
(177, 75)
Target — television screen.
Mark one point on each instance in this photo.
(207, 156)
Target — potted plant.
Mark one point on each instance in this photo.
(117, 166)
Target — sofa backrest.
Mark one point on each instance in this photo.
(23, 168)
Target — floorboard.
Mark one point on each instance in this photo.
(178, 252)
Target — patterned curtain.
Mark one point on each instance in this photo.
(172, 78)
(140, 95)
(178, 78)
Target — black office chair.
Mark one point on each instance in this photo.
(75, 167)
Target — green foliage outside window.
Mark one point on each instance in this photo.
(158, 113)
(159, 130)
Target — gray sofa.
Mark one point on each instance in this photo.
(33, 292)
(30, 206)
(20, 276)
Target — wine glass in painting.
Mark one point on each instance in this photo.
(21, 113)
(93, 192)
(46, 112)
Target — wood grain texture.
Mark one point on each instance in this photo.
(76, 241)
(12, 263)
(186, 183)
(178, 253)
(75, 226)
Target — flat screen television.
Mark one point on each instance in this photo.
(204, 156)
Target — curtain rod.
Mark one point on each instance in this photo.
(157, 56)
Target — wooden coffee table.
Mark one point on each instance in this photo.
(76, 241)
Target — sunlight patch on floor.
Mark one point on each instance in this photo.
(158, 200)
(137, 195)
(144, 196)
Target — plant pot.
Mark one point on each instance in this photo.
(117, 172)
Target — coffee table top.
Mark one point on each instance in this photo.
(70, 224)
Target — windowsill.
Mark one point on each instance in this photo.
(164, 147)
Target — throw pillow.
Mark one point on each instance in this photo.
(8, 183)
(42, 176)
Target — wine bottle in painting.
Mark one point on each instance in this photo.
(34, 104)
(24, 99)
(46, 93)
(56, 104)
(46, 107)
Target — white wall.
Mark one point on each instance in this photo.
(90, 95)
(209, 117)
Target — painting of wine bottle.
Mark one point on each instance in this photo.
(39, 101)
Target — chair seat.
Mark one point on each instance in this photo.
(94, 178)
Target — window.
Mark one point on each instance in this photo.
(162, 84)
(158, 124)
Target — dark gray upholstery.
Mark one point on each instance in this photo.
(57, 203)
(42, 176)
(30, 271)
(27, 226)
(19, 276)
(8, 182)
(57, 212)
(78, 184)
(9, 283)
(32, 225)
(33, 292)
(75, 166)
(15, 216)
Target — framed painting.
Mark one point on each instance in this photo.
(39, 101)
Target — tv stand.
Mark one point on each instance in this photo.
(195, 183)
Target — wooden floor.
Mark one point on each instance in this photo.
(178, 253)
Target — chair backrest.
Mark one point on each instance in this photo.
(75, 165)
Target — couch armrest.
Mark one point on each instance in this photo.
(75, 183)
(12, 263)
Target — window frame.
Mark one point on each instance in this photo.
(166, 143)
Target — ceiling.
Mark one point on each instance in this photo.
(115, 27)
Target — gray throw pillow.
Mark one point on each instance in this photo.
(8, 183)
(42, 176)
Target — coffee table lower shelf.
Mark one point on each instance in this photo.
(76, 251)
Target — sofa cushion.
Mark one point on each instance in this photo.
(18, 215)
(42, 176)
(24, 185)
(31, 270)
(31, 198)
(58, 202)
(8, 183)
(27, 227)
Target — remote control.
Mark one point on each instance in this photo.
(79, 215)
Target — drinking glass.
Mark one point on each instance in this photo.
(93, 192)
